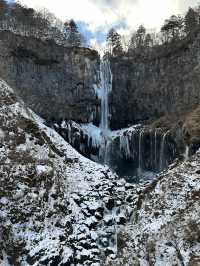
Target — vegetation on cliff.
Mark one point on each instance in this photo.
(175, 33)
(40, 24)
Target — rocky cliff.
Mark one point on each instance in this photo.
(149, 86)
(55, 81)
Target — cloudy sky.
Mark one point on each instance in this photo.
(95, 17)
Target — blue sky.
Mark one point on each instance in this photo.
(96, 17)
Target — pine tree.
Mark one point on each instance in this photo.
(190, 20)
(172, 28)
(114, 42)
(3, 8)
(140, 36)
(72, 34)
(148, 40)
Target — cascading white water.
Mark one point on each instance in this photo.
(140, 153)
(108, 149)
(162, 163)
(124, 145)
(105, 88)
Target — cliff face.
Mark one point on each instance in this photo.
(148, 88)
(56, 82)
(144, 89)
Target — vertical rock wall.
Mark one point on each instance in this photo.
(146, 88)
(56, 82)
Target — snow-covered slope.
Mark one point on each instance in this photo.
(59, 208)
(165, 227)
(54, 203)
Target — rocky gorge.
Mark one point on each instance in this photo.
(144, 90)
(140, 117)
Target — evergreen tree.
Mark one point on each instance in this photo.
(132, 45)
(190, 20)
(114, 42)
(172, 28)
(148, 42)
(72, 34)
(3, 8)
(140, 36)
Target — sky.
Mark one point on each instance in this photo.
(96, 17)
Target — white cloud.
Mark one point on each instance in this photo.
(103, 14)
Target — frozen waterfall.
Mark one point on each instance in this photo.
(186, 154)
(105, 89)
(131, 152)
(140, 165)
(162, 162)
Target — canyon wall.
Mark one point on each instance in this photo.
(55, 81)
(147, 87)
(59, 83)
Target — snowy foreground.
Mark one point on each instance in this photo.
(56, 207)
(165, 226)
(59, 208)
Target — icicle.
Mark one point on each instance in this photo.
(69, 133)
(162, 152)
(155, 150)
(128, 152)
(140, 163)
(125, 146)
(151, 147)
(108, 147)
(186, 154)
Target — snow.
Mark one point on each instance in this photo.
(94, 133)
(3, 200)
(44, 185)
(2, 135)
(52, 194)
(43, 169)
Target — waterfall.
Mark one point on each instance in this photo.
(140, 163)
(151, 148)
(105, 88)
(162, 163)
(108, 147)
(124, 145)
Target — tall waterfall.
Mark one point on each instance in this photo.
(105, 88)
